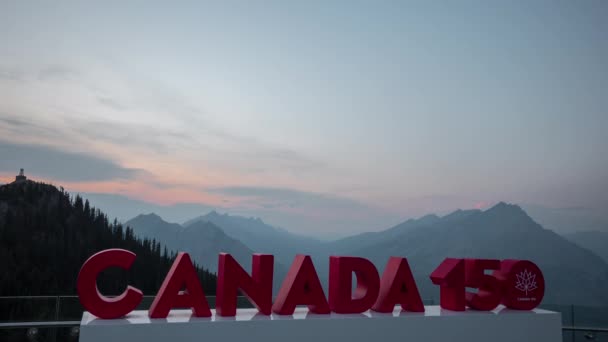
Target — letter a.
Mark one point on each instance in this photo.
(301, 287)
(182, 274)
(398, 287)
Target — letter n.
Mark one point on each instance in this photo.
(232, 277)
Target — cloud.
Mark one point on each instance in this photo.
(61, 165)
(56, 72)
(15, 127)
(284, 197)
(139, 135)
(11, 74)
(119, 113)
(111, 103)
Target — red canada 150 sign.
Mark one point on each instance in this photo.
(517, 284)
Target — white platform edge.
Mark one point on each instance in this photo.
(433, 325)
(301, 313)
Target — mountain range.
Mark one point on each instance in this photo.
(261, 237)
(575, 273)
(203, 240)
(574, 266)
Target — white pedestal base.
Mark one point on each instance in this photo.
(434, 325)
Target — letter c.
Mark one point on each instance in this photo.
(88, 293)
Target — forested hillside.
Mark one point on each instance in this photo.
(46, 235)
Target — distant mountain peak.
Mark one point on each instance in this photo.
(213, 213)
(510, 215)
(150, 216)
(460, 214)
(506, 208)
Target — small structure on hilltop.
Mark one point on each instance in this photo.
(20, 177)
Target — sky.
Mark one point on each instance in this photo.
(333, 116)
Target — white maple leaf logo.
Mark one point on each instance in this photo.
(526, 281)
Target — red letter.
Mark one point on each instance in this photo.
(90, 297)
(523, 284)
(489, 295)
(341, 271)
(398, 287)
(450, 278)
(301, 287)
(182, 274)
(231, 276)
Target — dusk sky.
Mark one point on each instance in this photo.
(341, 115)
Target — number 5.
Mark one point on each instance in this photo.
(490, 292)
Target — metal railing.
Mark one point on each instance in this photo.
(33, 330)
(52, 324)
(59, 319)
